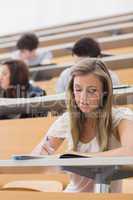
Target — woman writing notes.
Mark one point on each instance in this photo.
(91, 124)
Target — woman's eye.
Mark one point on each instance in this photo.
(77, 90)
(91, 91)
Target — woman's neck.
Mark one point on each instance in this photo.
(89, 130)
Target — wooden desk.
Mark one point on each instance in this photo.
(74, 27)
(113, 63)
(22, 135)
(53, 102)
(49, 86)
(15, 195)
(73, 36)
(106, 43)
(102, 169)
(118, 50)
(33, 105)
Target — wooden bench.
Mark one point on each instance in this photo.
(102, 21)
(23, 195)
(125, 77)
(49, 86)
(113, 63)
(73, 36)
(106, 43)
(52, 103)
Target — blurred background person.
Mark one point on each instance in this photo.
(85, 47)
(14, 82)
(28, 51)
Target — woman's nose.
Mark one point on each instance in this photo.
(84, 97)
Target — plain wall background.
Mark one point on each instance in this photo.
(20, 15)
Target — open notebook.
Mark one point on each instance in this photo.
(64, 155)
(34, 185)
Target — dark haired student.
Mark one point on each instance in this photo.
(85, 47)
(14, 81)
(28, 51)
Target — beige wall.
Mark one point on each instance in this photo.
(29, 14)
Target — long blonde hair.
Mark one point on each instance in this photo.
(104, 112)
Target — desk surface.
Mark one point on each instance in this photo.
(90, 167)
(53, 102)
(23, 195)
(54, 161)
(49, 99)
(115, 62)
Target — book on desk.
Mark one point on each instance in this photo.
(64, 155)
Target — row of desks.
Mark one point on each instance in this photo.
(75, 26)
(54, 102)
(116, 62)
(108, 30)
(106, 43)
(48, 71)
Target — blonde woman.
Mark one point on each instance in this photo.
(91, 125)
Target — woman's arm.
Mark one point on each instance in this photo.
(125, 131)
(48, 146)
(56, 134)
(51, 145)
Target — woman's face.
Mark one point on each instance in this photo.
(87, 92)
(4, 77)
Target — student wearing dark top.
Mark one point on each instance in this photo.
(27, 50)
(14, 81)
(85, 47)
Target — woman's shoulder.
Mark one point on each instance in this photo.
(63, 119)
(61, 126)
(120, 113)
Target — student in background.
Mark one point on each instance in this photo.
(91, 125)
(14, 81)
(85, 47)
(28, 51)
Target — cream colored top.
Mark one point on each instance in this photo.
(61, 129)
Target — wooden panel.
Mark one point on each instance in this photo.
(6, 195)
(127, 185)
(22, 135)
(113, 62)
(125, 75)
(120, 50)
(121, 95)
(106, 43)
(75, 26)
(72, 36)
(49, 86)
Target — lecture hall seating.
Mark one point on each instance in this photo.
(17, 138)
